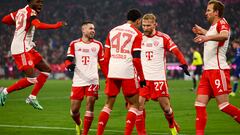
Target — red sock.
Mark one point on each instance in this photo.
(232, 111)
(88, 118)
(130, 120)
(201, 119)
(41, 79)
(76, 118)
(170, 119)
(140, 124)
(102, 120)
(20, 84)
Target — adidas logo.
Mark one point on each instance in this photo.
(128, 121)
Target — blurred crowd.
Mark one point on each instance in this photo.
(175, 17)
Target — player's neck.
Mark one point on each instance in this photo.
(132, 23)
(216, 20)
(153, 33)
(86, 40)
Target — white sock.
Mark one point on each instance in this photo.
(5, 91)
(32, 97)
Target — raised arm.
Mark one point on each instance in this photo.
(43, 26)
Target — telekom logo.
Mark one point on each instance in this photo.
(85, 60)
(149, 55)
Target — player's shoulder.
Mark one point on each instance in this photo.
(75, 41)
(163, 35)
(223, 21)
(97, 42)
(136, 30)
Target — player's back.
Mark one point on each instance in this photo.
(23, 36)
(122, 42)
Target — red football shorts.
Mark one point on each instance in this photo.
(154, 90)
(27, 60)
(78, 93)
(113, 87)
(214, 83)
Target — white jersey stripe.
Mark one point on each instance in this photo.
(107, 46)
(12, 17)
(172, 48)
(137, 49)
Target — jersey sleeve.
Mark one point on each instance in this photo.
(222, 25)
(107, 42)
(100, 53)
(137, 42)
(71, 50)
(168, 43)
(13, 15)
(10, 18)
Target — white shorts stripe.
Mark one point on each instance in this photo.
(224, 81)
(23, 57)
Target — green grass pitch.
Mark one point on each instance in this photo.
(16, 117)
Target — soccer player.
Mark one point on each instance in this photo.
(155, 44)
(23, 52)
(236, 45)
(122, 54)
(197, 62)
(215, 80)
(87, 53)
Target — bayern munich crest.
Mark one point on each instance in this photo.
(155, 43)
(93, 49)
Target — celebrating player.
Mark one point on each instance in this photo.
(215, 80)
(197, 62)
(25, 56)
(153, 57)
(86, 52)
(236, 45)
(122, 54)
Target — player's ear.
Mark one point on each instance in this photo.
(138, 22)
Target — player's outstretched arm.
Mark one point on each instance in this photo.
(8, 20)
(44, 26)
(199, 30)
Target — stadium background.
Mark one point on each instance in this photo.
(175, 17)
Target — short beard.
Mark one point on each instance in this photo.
(147, 33)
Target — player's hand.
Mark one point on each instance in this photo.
(142, 83)
(185, 69)
(61, 23)
(198, 30)
(71, 67)
(64, 23)
(200, 39)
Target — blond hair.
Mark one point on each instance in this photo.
(150, 16)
